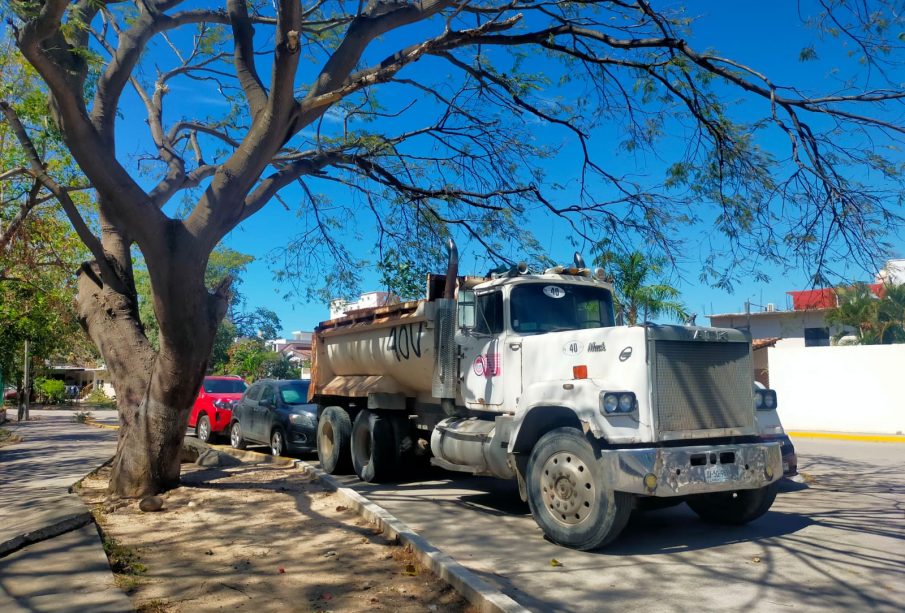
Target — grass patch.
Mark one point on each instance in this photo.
(153, 606)
(8, 438)
(82, 417)
(125, 564)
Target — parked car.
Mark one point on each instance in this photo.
(770, 428)
(275, 413)
(212, 412)
(10, 393)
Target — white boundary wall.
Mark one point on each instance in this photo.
(840, 389)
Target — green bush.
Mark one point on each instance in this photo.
(50, 391)
(99, 398)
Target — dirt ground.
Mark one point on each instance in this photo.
(258, 537)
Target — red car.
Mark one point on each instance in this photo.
(213, 408)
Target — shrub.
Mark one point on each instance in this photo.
(82, 417)
(99, 398)
(50, 391)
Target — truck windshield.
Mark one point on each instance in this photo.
(549, 307)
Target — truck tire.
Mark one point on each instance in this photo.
(334, 431)
(734, 508)
(373, 447)
(567, 493)
(404, 445)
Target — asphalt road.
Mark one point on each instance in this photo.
(837, 543)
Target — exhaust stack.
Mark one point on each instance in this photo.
(445, 368)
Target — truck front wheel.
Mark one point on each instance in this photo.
(373, 447)
(734, 508)
(334, 431)
(567, 492)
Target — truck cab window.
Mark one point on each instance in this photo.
(489, 313)
(550, 307)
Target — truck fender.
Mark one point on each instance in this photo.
(539, 420)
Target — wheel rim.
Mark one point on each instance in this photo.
(234, 435)
(327, 440)
(204, 429)
(276, 443)
(567, 488)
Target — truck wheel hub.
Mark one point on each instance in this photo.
(567, 488)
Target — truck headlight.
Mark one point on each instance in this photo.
(618, 402)
(769, 399)
(758, 399)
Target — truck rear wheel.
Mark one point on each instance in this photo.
(334, 431)
(734, 508)
(567, 492)
(373, 447)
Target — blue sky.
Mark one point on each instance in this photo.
(765, 35)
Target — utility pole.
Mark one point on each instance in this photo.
(26, 386)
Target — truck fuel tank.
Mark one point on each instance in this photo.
(473, 445)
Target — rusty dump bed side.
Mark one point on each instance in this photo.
(348, 330)
(369, 315)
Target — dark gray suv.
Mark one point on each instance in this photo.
(275, 413)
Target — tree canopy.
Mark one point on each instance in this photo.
(437, 118)
(39, 253)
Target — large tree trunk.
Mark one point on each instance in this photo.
(155, 389)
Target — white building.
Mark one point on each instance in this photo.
(339, 307)
(297, 349)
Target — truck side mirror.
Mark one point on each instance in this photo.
(465, 311)
(620, 317)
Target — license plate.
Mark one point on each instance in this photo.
(716, 474)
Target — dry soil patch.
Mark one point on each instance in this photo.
(258, 537)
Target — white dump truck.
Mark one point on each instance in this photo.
(528, 377)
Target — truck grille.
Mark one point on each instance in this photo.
(702, 385)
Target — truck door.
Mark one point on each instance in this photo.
(483, 360)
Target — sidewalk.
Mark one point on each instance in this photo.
(51, 557)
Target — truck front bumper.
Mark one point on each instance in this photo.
(681, 471)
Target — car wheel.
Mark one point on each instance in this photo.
(334, 431)
(567, 492)
(734, 508)
(373, 447)
(235, 436)
(203, 428)
(277, 443)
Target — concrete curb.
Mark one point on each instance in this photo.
(845, 436)
(478, 592)
(481, 594)
(67, 524)
(97, 424)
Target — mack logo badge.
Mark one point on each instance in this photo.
(625, 354)
(595, 347)
(711, 335)
(572, 348)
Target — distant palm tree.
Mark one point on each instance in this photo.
(856, 308)
(876, 320)
(639, 291)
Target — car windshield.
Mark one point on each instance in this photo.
(224, 386)
(294, 393)
(550, 307)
